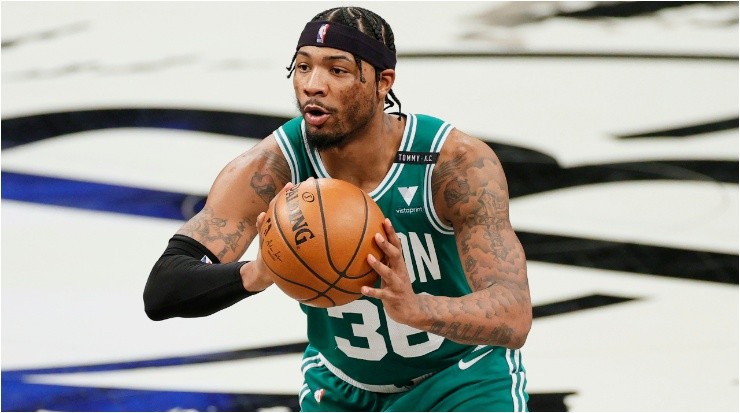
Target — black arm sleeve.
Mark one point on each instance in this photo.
(181, 285)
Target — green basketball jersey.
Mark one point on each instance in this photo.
(357, 341)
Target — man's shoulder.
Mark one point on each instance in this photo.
(292, 125)
(422, 117)
(431, 129)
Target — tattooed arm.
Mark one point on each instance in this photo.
(470, 193)
(180, 283)
(227, 223)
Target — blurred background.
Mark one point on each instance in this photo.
(616, 123)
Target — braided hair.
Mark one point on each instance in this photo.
(368, 23)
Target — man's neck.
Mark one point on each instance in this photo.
(366, 160)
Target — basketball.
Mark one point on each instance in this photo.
(315, 240)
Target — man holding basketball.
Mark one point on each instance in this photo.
(443, 328)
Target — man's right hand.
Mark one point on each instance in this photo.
(255, 275)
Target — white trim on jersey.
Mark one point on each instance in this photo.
(302, 393)
(376, 388)
(406, 141)
(306, 364)
(282, 140)
(439, 140)
(409, 134)
(518, 378)
(315, 361)
(313, 156)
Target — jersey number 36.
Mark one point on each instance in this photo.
(398, 334)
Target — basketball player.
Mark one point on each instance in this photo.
(443, 329)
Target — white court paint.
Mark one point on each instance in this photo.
(72, 279)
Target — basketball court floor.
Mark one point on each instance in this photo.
(616, 123)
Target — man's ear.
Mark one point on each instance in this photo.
(387, 78)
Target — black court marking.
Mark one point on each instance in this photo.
(32, 128)
(548, 402)
(45, 35)
(529, 171)
(577, 304)
(720, 125)
(565, 55)
(628, 9)
(631, 257)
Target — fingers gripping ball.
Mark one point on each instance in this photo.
(315, 239)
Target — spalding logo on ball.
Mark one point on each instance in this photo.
(315, 240)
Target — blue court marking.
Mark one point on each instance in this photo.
(21, 395)
(100, 196)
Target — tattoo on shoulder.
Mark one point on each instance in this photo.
(453, 177)
(264, 185)
(446, 171)
(266, 181)
(457, 190)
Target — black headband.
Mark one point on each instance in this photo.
(339, 36)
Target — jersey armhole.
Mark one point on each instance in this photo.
(284, 143)
(439, 140)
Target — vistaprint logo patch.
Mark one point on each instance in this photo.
(408, 193)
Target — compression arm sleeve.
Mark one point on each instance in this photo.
(182, 285)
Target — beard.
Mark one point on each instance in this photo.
(345, 128)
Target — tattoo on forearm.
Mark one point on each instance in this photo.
(226, 236)
(490, 322)
(218, 222)
(207, 228)
(476, 198)
(468, 333)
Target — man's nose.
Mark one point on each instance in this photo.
(315, 84)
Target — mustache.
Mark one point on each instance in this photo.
(314, 102)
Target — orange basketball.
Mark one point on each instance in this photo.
(315, 240)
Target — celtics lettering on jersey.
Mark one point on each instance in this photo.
(420, 251)
(417, 248)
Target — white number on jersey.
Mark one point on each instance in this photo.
(398, 334)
